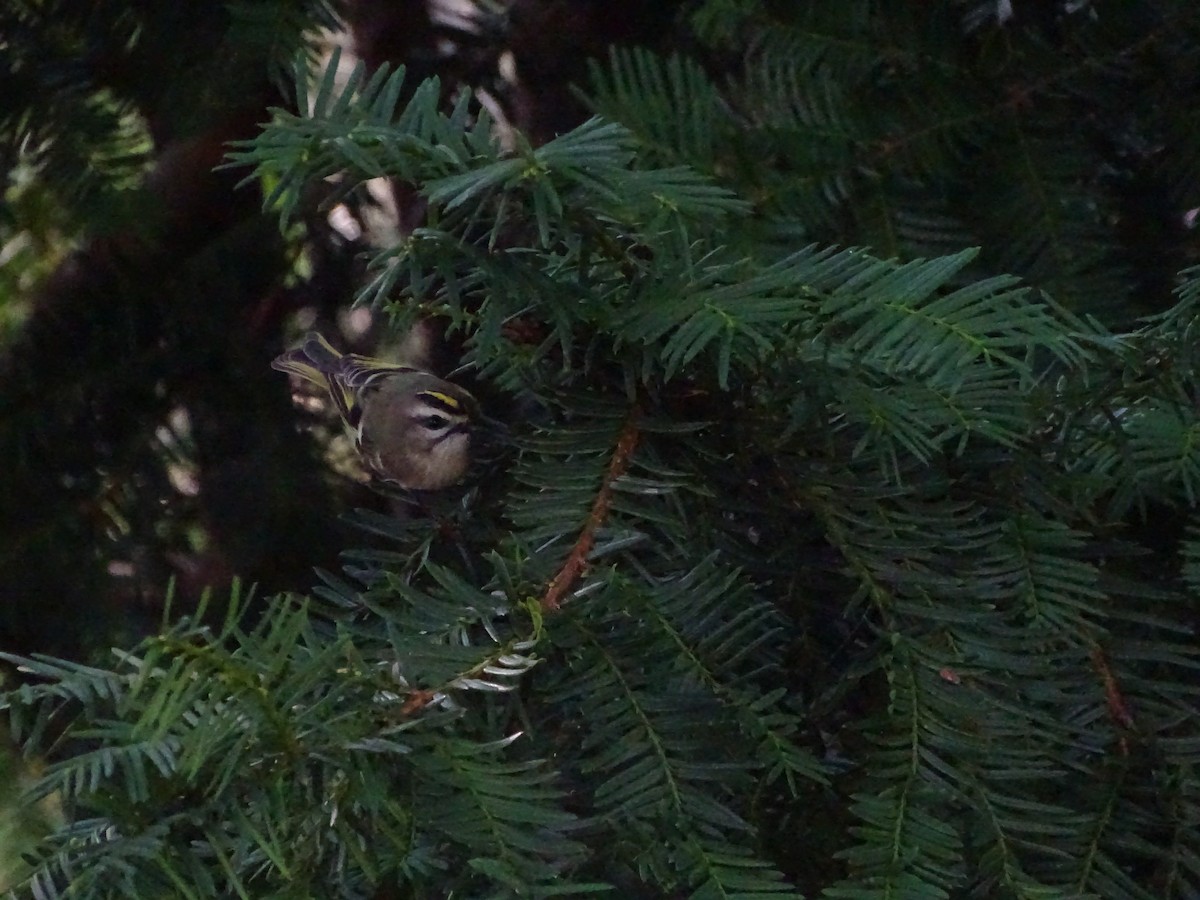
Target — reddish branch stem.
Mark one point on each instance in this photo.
(417, 701)
(577, 559)
(1112, 693)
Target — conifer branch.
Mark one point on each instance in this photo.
(577, 559)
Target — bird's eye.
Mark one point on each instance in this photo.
(435, 422)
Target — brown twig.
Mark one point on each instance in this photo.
(577, 559)
(1112, 693)
(417, 701)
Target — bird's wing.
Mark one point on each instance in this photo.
(360, 372)
(318, 362)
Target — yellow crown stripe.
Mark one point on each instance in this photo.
(444, 399)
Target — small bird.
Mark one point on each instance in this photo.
(411, 428)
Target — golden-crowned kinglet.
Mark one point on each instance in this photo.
(411, 428)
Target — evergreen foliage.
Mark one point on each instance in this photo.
(810, 571)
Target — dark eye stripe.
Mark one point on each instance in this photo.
(457, 429)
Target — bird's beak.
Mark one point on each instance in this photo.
(491, 430)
